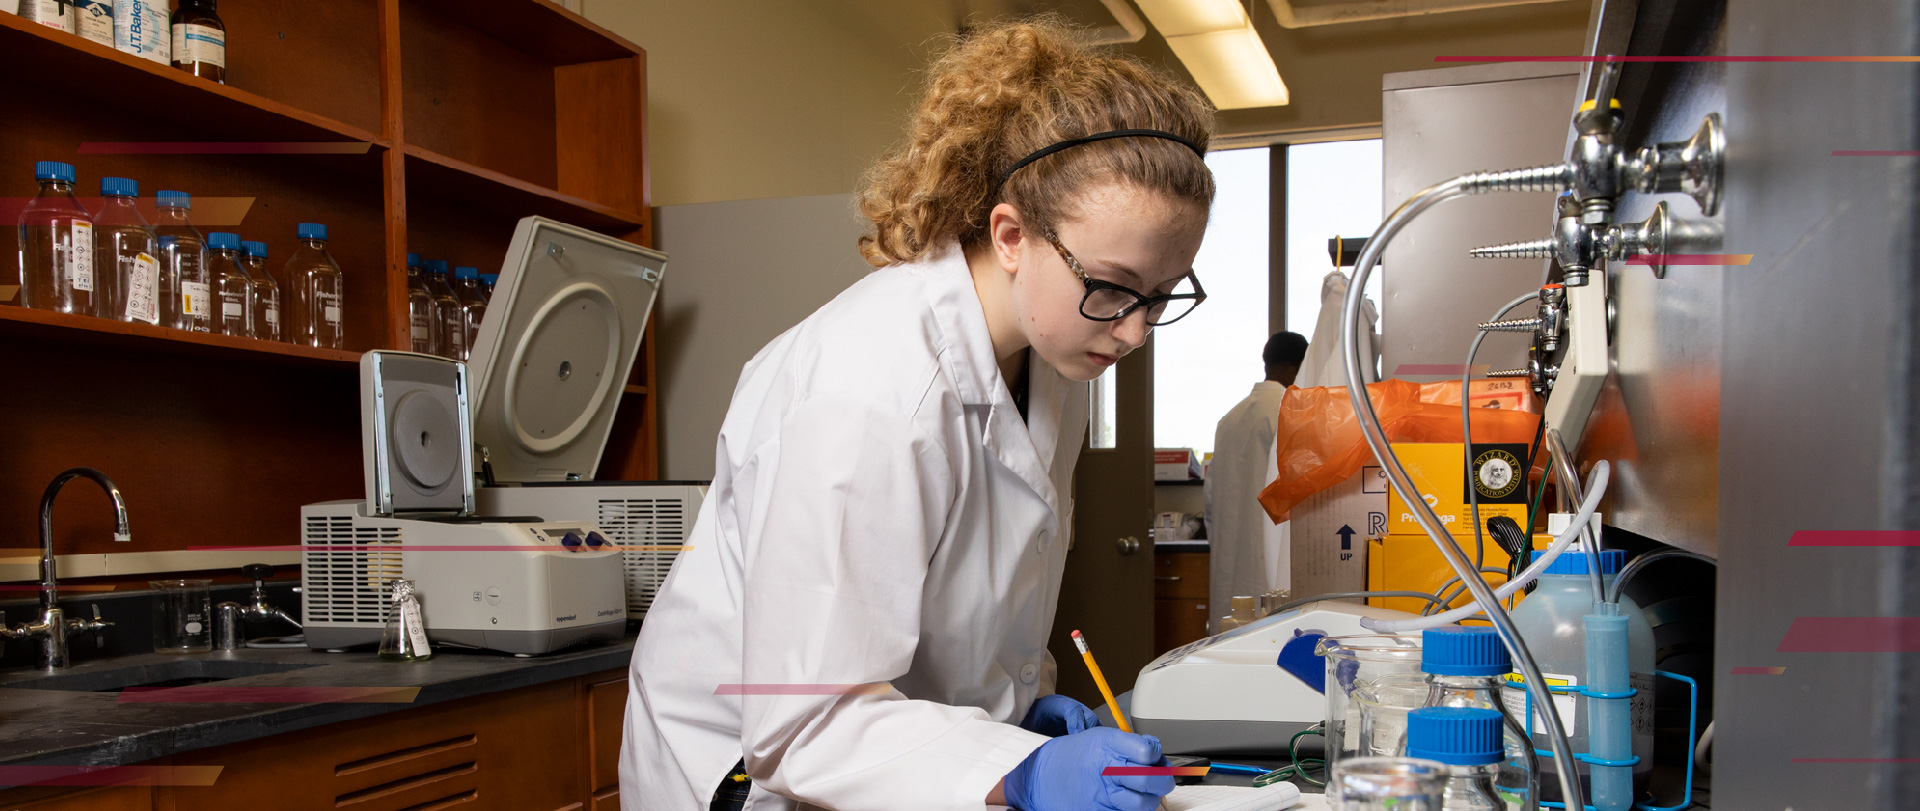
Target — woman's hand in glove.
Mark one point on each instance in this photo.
(1065, 774)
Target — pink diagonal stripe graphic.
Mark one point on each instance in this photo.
(1875, 153)
(207, 211)
(109, 775)
(1691, 259)
(224, 148)
(220, 693)
(1861, 537)
(873, 689)
(1855, 760)
(1758, 671)
(1172, 771)
(1852, 635)
(397, 547)
(1676, 59)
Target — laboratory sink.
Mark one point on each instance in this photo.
(154, 675)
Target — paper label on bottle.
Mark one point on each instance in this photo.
(416, 628)
(140, 27)
(80, 257)
(199, 43)
(93, 19)
(143, 289)
(194, 299)
(50, 13)
(273, 314)
(1515, 696)
(329, 308)
(231, 309)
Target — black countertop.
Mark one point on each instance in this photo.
(75, 727)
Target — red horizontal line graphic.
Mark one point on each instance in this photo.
(873, 689)
(207, 211)
(1171, 771)
(1676, 59)
(1875, 153)
(1439, 369)
(1691, 259)
(1862, 537)
(1856, 760)
(217, 693)
(109, 775)
(416, 547)
(1852, 635)
(62, 587)
(1758, 671)
(224, 148)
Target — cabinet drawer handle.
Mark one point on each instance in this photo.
(1174, 578)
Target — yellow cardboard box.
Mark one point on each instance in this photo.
(1411, 563)
(1438, 470)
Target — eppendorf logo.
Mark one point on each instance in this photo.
(567, 618)
(610, 612)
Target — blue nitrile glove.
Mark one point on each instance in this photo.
(1057, 715)
(1064, 774)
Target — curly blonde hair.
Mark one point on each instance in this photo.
(1001, 93)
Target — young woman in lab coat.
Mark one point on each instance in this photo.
(861, 621)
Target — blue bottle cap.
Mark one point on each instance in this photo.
(53, 170)
(223, 241)
(413, 260)
(255, 248)
(311, 230)
(1575, 562)
(178, 199)
(490, 279)
(119, 187)
(437, 267)
(1457, 736)
(1456, 651)
(168, 242)
(466, 273)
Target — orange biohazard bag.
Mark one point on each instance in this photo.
(1319, 444)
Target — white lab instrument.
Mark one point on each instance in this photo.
(1227, 694)
(521, 586)
(549, 364)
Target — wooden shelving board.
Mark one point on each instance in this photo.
(21, 322)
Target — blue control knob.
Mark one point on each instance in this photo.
(571, 540)
(596, 540)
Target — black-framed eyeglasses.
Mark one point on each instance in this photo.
(1106, 301)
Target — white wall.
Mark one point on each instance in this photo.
(739, 273)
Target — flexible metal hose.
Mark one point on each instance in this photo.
(1540, 179)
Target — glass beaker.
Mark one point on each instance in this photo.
(1384, 704)
(1386, 784)
(182, 616)
(1349, 660)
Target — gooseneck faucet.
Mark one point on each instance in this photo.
(53, 627)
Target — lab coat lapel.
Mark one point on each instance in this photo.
(1024, 447)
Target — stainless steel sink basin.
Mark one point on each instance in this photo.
(156, 674)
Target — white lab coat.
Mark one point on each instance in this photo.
(879, 514)
(1239, 533)
(1325, 364)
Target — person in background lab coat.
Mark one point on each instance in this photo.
(1245, 546)
(861, 620)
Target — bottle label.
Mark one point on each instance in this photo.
(329, 309)
(50, 13)
(93, 19)
(140, 27)
(415, 627)
(80, 257)
(199, 43)
(1516, 694)
(194, 299)
(143, 289)
(232, 309)
(273, 314)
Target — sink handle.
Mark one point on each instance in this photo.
(99, 628)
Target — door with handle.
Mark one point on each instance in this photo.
(1107, 591)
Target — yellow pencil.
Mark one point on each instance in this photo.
(1101, 682)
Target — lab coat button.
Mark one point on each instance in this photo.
(1028, 673)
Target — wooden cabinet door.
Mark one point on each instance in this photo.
(513, 751)
(114, 798)
(606, 725)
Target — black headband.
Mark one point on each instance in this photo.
(1100, 136)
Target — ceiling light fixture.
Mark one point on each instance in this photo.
(1216, 42)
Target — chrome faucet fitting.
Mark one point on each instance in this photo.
(53, 627)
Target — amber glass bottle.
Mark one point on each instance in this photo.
(200, 40)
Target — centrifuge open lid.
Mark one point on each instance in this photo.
(552, 357)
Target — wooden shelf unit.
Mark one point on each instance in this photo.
(429, 126)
